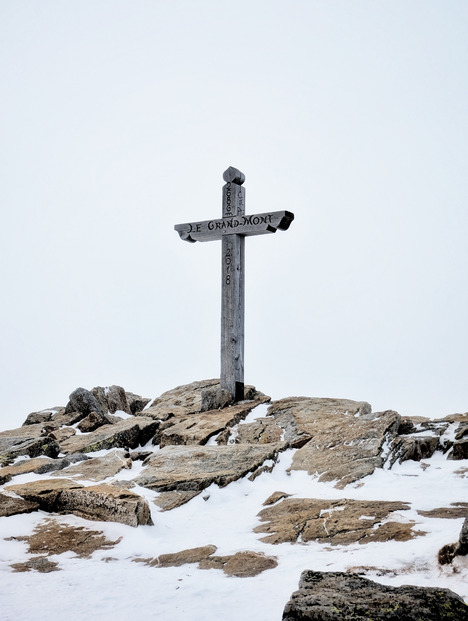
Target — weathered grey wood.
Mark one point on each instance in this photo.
(232, 229)
(257, 224)
(232, 289)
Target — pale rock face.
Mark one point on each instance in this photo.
(192, 468)
(190, 438)
(335, 522)
(341, 439)
(126, 433)
(336, 596)
(99, 502)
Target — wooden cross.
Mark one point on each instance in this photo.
(232, 229)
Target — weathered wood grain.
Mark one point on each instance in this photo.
(232, 229)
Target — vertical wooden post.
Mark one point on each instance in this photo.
(232, 229)
(232, 290)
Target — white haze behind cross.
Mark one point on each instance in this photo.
(119, 119)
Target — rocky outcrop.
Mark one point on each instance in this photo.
(192, 398)
(97, 468)
(39, 465)
(28, 441)
(128, 433)
(110, 455)
(460, 548)
(198, 428)
(242, 564)
(11, 505)
(192, 468)
(97, 502)
(331, 596)
(335, 522)
(345, 440)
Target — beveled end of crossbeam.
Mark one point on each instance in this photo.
(233, 175)
(286, 220)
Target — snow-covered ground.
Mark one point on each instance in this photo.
(108, 585)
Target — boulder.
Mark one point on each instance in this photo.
(84, 402)
(98, 502)
(200, 427)
(42, 416)
(97, 468)
(335, 522)
(192, 468)
(128, 433)
(11, 505)
(167, 501)
(187, 399)
(346, 438)
(38, 465)
(112, 399)
(459, 450)
(26, 440)
(337, 596)
(136, 403)
(242, 564)
(414, 448)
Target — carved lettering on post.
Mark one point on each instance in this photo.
(232, 229)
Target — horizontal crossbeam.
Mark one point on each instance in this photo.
(257, 224)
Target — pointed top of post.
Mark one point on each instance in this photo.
(233, 175)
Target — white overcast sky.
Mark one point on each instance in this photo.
(118, 118)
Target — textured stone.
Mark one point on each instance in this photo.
(167, 501)
(41, 417)
(11, 505)
(84, 402)
(335, 522)
(93, 421)
(38, 563)
(98, 502)
(26, 440)
(187, 399)
(192, 468)
(136, 403)
(412, 448)
(128, 433)
(346, 439)
(459, 450)
(97, 468)
(331, 596)
(39, 465)
(242, 564)
(200, 427)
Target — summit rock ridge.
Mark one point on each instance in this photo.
(113, 456)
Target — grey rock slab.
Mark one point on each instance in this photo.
(130, 432)
(346, 438)
(97, 468)
(334, 522)
(198, 428)
(188, 399)
(97, 502)
(336, 596)
(11, 505)
(192, 468)
(83, 401)
(26, 440)
(38, 465)
(166, 501)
